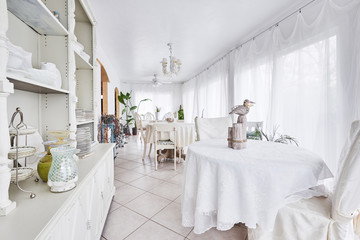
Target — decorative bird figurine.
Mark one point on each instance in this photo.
(242, 110)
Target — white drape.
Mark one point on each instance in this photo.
(304, 75)
(167, 97)
(207, 94)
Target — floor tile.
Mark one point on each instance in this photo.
(114, 206)
(153, 231)
(127, 164)
(146, 183)
(119, 170)
(121, 222)
(163, 174)
(144, 169)
(170, 217)
(148, 204)
(127, 193)
(128, 176)
(118, 184)
(214, 234)
(167, 190)
(178, 200)
(177, 179)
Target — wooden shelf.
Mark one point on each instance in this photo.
(37, 16)
(81, 63)
(29, 85)
(84, 122)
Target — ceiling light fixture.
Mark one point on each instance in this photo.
(156, 81)
(174, 67)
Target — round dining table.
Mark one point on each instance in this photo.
(223, 186)
(185, 132)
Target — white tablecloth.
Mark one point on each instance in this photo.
(185, 133)
(222, 186)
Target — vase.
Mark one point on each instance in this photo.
(44, 165)
(156, 115)
(63, 173)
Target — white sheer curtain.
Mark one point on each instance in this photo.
(207, 94)
(304, 76)
(167, 97)
(252, 76)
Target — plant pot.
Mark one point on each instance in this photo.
(127, 130)
(134, 131)
(156, 115)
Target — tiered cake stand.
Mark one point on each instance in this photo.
(19, 173)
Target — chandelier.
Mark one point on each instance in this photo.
(174, 67)
(156, 81)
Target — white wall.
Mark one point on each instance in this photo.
(168, 97)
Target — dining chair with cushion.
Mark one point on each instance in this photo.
(160, 143)
(330, 218)
(168, 115)
(142, 133)
(212, 128)
(149, 116)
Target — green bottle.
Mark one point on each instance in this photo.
(181, 113)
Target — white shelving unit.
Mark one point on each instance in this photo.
(25, 84)
(85, 74)
(85, 122)
(36, 15)
(31, 25)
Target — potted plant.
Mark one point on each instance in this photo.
(157, 110)
(125, 99)
(259, 134)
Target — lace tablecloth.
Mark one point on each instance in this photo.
(185, 133)
(223, 186)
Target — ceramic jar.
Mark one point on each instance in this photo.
(63, 173)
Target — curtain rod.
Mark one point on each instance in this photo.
(253, 38)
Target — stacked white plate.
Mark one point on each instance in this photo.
(89, 115)
(83, 139)
(80, 115)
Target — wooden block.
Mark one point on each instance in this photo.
(230, 137)
(239, 136)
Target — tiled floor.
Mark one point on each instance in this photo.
(147, 204)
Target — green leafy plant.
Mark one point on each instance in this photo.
(273, 136)
(129, 108)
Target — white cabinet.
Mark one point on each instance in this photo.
(77, 214)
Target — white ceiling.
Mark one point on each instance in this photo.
(134, 33)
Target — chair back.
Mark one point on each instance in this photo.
(149, 116)
(212, 128)
(165, 131)
(346, 198)
(139, 124)
(168, 115)
(251, 126)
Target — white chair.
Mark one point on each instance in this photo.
(142, 134)
(161, 144)
(251, 126)
(168, 115)
(140, 127)
(319, 217)
(212, 128)
(149, 116)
